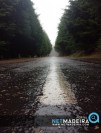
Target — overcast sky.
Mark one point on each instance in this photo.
(50, 13)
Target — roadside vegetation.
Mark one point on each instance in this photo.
(21, 34)
(80, 28)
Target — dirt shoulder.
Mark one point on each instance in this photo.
(93, 58)
(11, 61)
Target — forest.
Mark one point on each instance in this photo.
(21, 34)
(80, 28)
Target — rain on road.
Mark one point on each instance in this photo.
(50, 86)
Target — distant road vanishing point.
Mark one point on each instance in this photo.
(53, 53)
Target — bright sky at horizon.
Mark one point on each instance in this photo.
(50, 12)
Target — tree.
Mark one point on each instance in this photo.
(80, 27)
(21, 33)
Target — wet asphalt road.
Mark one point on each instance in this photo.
(50, 86)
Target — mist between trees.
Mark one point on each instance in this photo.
(80, 28)
(21, 34)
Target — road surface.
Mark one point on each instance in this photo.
(47, 87)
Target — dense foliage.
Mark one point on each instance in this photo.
(21, 34)
(80, 27)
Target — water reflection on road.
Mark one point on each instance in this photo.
(58, 98)
(57, 92)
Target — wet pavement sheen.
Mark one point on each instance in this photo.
(50, 86)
